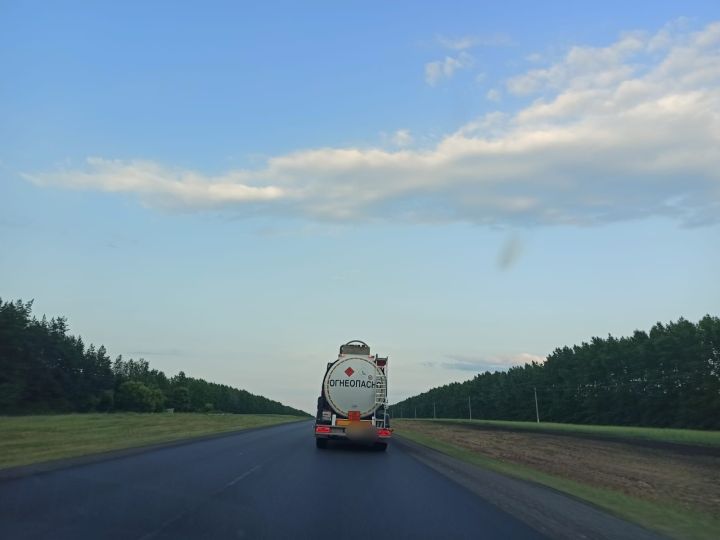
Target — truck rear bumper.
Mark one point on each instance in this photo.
(370, 436)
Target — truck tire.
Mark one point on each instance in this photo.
(320, 407)
(321, 443)
(380, 446)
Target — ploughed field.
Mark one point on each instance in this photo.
(681, 477)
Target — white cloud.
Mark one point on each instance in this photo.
(481, 364)
(468, 42)
(583, 67)
(402, 138)
(446, 68)
(493, 95)
(161, 185)
(619, 132)
(458, 44)
(534, 58)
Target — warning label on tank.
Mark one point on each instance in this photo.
(351, 383)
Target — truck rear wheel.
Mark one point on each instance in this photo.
(380, 446)
(321, 443)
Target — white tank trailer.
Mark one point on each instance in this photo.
(353, 399)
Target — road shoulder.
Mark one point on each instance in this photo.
(549, 511)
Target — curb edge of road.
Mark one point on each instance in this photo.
(23, 471)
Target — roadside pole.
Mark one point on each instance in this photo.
(433, 410)
(537, 411)
(469, 408)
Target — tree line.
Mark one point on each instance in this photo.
(45, 369)
(667, 377)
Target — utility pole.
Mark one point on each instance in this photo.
(537, 411)
(433, 410)
(469, 408)
(415, 412)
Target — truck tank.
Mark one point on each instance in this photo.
(351, 382)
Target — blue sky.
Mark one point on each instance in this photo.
(235, 191)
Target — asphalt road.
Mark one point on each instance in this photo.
(269, 483)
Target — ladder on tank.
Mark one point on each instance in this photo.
(381, 393)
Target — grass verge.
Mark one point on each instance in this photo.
(33, 439)
(680, 436)
(667, 519)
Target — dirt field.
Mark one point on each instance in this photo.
(689, 477)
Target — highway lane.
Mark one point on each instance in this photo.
(269, 483)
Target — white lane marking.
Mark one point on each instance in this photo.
(182, 514)
(243, 475)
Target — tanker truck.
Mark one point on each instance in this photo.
(353, 399)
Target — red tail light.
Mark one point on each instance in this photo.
(384, 433)
(322, 429)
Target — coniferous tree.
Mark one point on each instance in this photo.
(667, 377)
(44, 369)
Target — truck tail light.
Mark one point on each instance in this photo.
(322, 429)
(384, 432)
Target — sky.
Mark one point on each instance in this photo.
(233, 191)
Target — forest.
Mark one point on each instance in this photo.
(667, 377)
(44, 369)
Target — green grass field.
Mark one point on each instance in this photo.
(682, 436)
(668, 519)
(32, 439)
